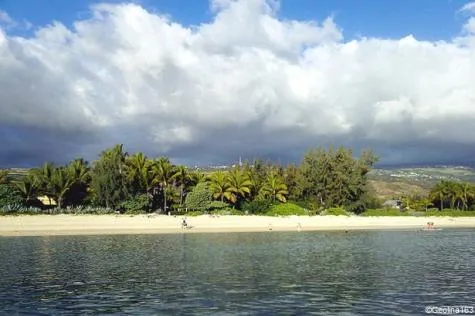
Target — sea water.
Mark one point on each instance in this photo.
(271, 273)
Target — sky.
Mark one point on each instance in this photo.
(207, 82)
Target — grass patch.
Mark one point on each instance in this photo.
(451, 213)
(385, 212)
(335, 211)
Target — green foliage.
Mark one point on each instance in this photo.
(194, 213)
(274, 188)
(9, 195)
(384, 212)
(239, 186)
(451, 213)
(200, 197)
(215, 205)
(325, 179)
(334, 178)
(226, 211)
(452, 194)
(108, 178)
(11, 210)
(256, 207)
(286, 209)
(335, 211)
(137, 204)
(308, 204)
(80, 210)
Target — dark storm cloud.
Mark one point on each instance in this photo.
(205, 94)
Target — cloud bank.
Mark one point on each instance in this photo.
(244, 84)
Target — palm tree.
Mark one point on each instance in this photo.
(453, 192)
(59, 185)
(138, 171)
(197, 177)
(275, 187)
(3, 176)
(182, 176)
(467, 193)
(27, 188)
(42, 178)
(219, 185)
(239, 185)
(440, 193)
(163, 172)
(79, 173)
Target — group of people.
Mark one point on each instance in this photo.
(430, 225)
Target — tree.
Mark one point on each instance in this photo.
(440, 193)
(163, 174)
(257, 174)
(79, 173)
(333, 178)
(200, 197)
(219, 186)
(197, 177)
(27, 188)
(42, 178)
(108, 182)
(239, 185)
(275, 188)
(291, 174)
(138, 170)
(60, 183)
(182, 177)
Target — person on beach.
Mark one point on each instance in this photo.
(184, 224)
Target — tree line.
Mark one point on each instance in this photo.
(325, 178)
(446, 194)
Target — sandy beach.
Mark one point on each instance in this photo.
(142, 224)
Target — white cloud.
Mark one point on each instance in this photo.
(469, 7)
(5, 18)
(132, 76)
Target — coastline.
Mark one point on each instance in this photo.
(50, 225)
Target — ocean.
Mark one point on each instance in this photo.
(272, 273)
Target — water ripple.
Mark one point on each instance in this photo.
(365, 273)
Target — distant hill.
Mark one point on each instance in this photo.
(393, 182)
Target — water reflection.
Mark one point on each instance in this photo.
(278, 273)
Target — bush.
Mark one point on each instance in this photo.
(286, 209)
(136, 205)
(19, 210)
(385, 212)
(309, 205)
(256, 207)
(216, 205)
(451, 213)
(226, 211)
(199, 198)
(9, 195)
(80, 210)
(335, 211)
(194, 213)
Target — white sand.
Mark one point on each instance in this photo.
(142, 224)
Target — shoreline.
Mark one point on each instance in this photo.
(64, 225)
